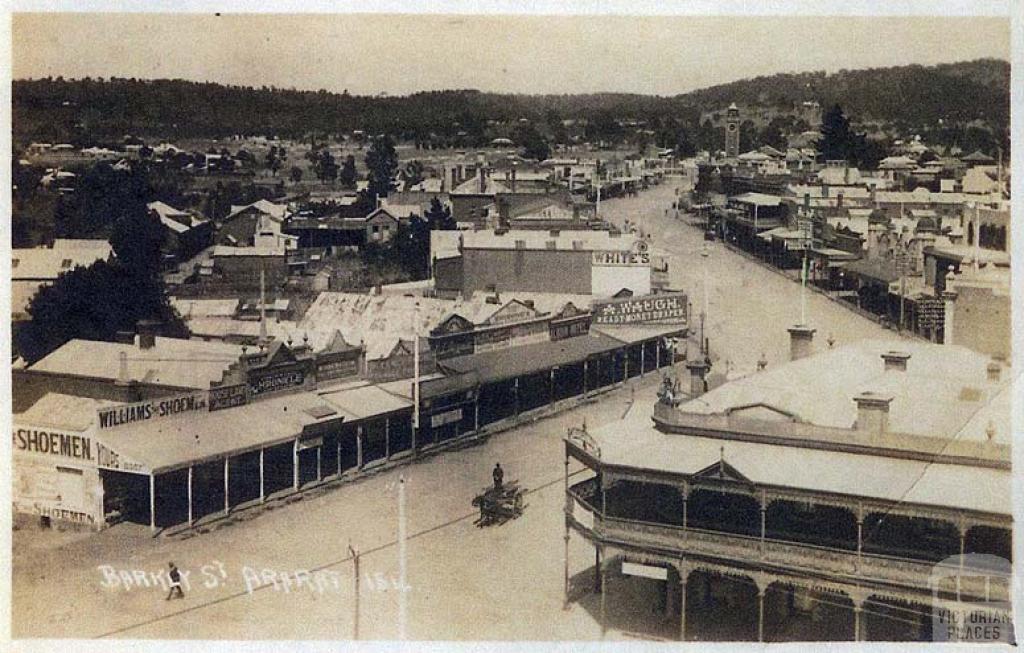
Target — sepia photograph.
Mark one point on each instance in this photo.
(651, 329)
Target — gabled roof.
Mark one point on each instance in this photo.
(170, 361)
(977, 156)
(472, 187)
(47, 263)
(277, 211)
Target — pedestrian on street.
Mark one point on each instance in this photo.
(499, 476)
(175, 576)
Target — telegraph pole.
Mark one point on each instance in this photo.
(355, 605)
(401, 560)
(415, 374)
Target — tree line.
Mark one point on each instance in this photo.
(87, 110)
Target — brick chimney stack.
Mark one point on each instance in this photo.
(895, 361)
(147, 333)
(872, 412)
(801, 338)
(698, 370)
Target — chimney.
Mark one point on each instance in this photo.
(801, 337)
(896, 361)
(873, 196)
(839, 200)
(807, 202)
(949, 309)
(122, 369)
(513, 179)
(147, 333)
(872, 412)
(483, 180)
(698, 369)
(994, 371)
(824, 190)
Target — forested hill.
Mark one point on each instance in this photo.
(89, 110)
(909, 95)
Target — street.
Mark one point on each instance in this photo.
(496, 583)
(749, 307)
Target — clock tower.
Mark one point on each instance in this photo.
(732, 131)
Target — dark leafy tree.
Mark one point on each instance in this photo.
(838, 141)
(381, 162)
(439, 217)
(348, 176)
(138, 238)
(325, 167)
(533, 144)
(94, 303)
(413, 172)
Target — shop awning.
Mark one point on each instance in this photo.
(528, 359)
(633, 334)
(365, 401)
(834, 258)
(875, 271)
(166, 444)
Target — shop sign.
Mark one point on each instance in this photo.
(337, 369)
(447, 417)
(493, 339)
(511, 313)
(621, 259)
(228, 396)
(275, 381)
(666, 308)
(645, 571)
(63, 514)
(451, 347)
(151, 409)
(569, 329)
(53, 443)
(107, 458)
(637, 256)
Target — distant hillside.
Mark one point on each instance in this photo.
(89, 110)
(907, 95)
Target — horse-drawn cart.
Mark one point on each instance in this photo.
(499, 504)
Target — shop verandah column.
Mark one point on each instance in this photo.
(263, 493)
(152, 502)
(227, 503)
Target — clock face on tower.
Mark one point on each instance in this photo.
(732, 126)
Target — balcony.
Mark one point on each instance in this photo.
(583, 507)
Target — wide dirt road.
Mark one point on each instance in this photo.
(749, 307)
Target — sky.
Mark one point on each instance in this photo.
(401, 54)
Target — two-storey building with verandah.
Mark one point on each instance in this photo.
(854, 494)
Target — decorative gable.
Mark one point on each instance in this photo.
(723, 471)
(514, 311)
(455, 323)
